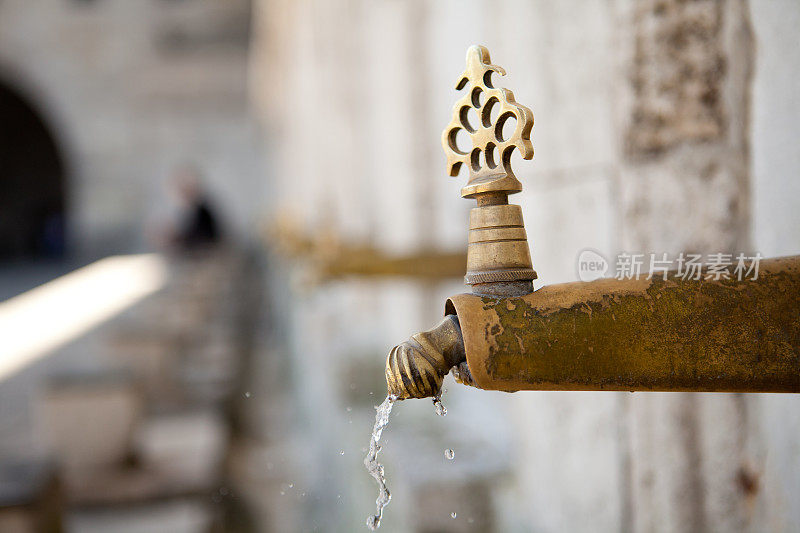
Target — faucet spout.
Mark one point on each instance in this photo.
(416, 368)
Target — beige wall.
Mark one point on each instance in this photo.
(631, 154)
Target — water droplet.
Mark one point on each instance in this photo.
(341, 452)
(441, 410)
(291, 485)
(449, 454)
(373, 522)
(453, 514)
(283, 492)
(247, 394)
(349, 409)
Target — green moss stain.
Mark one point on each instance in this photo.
(675, 334)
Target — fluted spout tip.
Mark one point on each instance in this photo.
(416, 367)
(410, 373)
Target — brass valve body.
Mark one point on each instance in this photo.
(498, 246)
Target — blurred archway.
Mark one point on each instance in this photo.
(32, 182)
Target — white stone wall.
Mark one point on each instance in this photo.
(774, 129)
(354, 95)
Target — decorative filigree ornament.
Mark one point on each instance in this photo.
(489, 158)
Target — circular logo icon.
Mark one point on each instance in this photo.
(591, 265)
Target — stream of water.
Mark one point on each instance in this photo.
(374, 468)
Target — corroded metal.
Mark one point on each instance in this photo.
(498, 246)
(640, 335)
(415, 368)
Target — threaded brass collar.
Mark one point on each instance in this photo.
(493, 276)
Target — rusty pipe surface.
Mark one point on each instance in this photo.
(640, 335)
(633, 335)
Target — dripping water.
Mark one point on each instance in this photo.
(441, 410)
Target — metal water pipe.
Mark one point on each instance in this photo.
(665, 333)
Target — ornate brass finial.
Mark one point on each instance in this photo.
(489, 159)
(498, 258)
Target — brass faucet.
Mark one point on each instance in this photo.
(665, 333)
(498, 258)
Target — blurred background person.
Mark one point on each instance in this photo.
(198, 225)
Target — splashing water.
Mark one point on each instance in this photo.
(374, 468)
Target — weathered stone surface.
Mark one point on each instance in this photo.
(677, 74)
(130, 91)
(90, 422)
